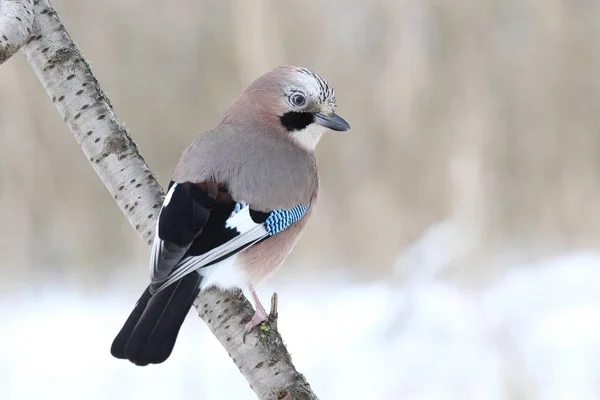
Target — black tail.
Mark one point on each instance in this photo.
(150, 332)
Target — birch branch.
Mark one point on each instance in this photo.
(69, 82)
(16, 19)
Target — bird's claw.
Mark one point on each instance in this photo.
(260, 317)
(274, 313)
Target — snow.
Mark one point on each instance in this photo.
(534, 334)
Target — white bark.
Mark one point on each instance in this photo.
(69, 82)
(16, 19)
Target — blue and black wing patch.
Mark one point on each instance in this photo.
(279, 220)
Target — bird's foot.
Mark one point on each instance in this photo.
(260, 317)
(257, 319)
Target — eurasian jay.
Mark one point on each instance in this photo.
(238, 200)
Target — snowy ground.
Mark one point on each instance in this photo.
(533, 335)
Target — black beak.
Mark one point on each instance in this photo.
(333, 122)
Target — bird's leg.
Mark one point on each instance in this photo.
(260, 314)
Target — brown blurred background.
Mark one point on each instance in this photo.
(482, 113)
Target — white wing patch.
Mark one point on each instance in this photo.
(241, 220)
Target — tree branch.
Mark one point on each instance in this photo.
(16, 19)
(69, 82)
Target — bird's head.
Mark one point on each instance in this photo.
(298, 101)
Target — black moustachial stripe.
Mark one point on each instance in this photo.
(296, 121)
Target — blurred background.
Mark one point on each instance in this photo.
(455, 252)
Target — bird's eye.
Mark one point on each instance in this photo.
(298, 99)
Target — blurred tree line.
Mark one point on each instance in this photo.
(480, 112)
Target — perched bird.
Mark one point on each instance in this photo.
(238, 200)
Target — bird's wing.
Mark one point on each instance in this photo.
(230, 228)
(183, 216)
